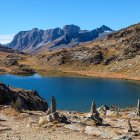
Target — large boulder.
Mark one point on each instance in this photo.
(29, 99)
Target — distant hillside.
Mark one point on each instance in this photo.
(116, 47)
(6, 49)
(116, 55)
(37, 40)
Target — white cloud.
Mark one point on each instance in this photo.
(6, 38)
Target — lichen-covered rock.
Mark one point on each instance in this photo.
(29, 100)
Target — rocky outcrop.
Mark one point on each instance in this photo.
(37, 40)
(29, 100)
(22, 70)
(110, 60)
(83, 56)
(126, 41)
(25, 39)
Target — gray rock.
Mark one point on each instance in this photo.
(93, 108)
(53, 105)
(123, 137)
(18, 104)
(63, 119)
(138, 108)
(97, 120)
(129, 127)
(103, 109)
(53, 117)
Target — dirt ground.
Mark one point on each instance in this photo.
(25, 126)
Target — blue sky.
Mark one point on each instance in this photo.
(17, 15)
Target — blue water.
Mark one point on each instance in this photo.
(78, 93)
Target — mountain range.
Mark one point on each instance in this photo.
(36, 40)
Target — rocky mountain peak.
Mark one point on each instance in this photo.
(71, 30)
(69, 36)
(35, 29)
(105, 28)
(53, 34)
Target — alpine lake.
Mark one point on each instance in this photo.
(77, 93)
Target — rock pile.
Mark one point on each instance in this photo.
(95, 115)
(52, 115)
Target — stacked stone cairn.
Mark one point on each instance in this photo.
(52, 113)
(138, 108)
(95, 115)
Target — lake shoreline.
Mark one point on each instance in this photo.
(81, 74)
(92, 74)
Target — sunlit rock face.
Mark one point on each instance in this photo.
(69, 36)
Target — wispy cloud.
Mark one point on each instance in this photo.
(6, 38)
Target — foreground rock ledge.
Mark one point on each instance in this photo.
(29, 99)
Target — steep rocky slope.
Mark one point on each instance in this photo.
(36, 40)
(117, 46)
(19, 98)
(116, 55)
